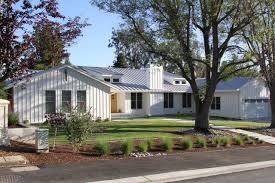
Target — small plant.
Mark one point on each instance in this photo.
(201, 142)
(218, 142)
(78, 128)
(103, 148)
(239, 141)
(106, 120)
(98, 120)
(187, 143)
(56, 120)
(251, 141)
(150, 143)
(167, 144)
(227, 141)
(127, 147)
(246, 138)
(143, 147)
(13, 119)
(26, 122)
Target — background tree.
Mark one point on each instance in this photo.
(51, 40)
(260, 38)
(125, 42)
(120, 61)
(17, 19)
(170, 28)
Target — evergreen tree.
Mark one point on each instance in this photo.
(120, 61)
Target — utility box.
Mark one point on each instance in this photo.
(42, 140)
(4, 139)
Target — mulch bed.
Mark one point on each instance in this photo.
(63, 153)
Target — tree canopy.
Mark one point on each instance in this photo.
(171, 29)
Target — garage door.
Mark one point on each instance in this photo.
(256, 108)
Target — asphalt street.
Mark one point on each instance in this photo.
(266, 175)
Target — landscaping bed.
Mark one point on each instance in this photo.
(124, 149)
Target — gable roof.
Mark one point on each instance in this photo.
(228, 85)
(135, 79)
(12, 82)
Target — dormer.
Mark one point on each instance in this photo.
(179, 81)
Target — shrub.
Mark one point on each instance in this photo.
(167, 144)
(239, 141)
(150, 143)
(227, 141)
(98, 120)
(106, 120)
(103, 148)
(201, 142)
(246, 138)
(218, 142)
(187, 143)
(251, 141)
(56, 120)
(127, 147)
(78, 127)
(143, 147)
(13, 119)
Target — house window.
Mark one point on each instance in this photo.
(136, 100)
(168, 100)
(65, 75)
(186, 100)
(116, 80)
(66, 101)
(50, 102)
(177, 82)
(107, 79)
(216, 103)
(81, 101)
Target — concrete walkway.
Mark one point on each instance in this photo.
(9, 161)
(265, 138)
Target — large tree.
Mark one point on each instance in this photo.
(170, 28)
(51, 40)
(260, 37)
(17, 19)
(120, 61)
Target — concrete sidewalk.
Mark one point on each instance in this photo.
(8, 161)
(90, 171)
(265, 138)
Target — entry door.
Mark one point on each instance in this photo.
(114, 103)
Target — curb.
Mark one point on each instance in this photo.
(193, 174)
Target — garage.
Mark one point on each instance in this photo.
(256, 108)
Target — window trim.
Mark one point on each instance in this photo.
(169, 104)
(136, 102)
(62, 105)
(216, 105)
(46, 102)
(186, 100)
(85, 102)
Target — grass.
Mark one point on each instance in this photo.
(146, 128)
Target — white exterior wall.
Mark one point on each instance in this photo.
(230, 107)
(254, 89)
(153, 105)
(154, 75)
(121, 102)
(29, 97)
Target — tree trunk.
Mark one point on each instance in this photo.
(272, 103)
(202, 119)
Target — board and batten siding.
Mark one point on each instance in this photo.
(255, 89)
(29, 97)
(229, 105)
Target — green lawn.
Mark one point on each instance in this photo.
(147, 128)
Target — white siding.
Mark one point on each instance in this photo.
(153, 105)
(29, 97)
(229, 105)
(154, 77)
(254, 89)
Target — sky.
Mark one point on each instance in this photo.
(92, 48)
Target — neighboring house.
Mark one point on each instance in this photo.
(120, 93)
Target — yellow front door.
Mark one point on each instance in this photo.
(114, 103)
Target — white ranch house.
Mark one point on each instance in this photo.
(110, 93)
